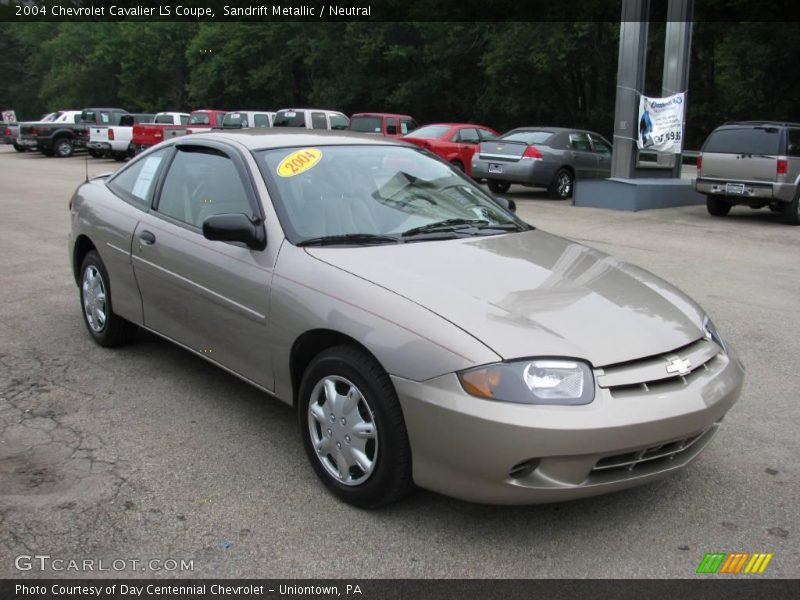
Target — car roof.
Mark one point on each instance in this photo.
(453, 125)
(324, 110)
(265, 139)
(759, 123)
(103, 108)
(380, 114)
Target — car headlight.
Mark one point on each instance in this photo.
(535, 381)
(712, 335)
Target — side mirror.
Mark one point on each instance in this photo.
(235, 227)
(506, 203)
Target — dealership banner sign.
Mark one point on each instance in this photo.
(661, 123)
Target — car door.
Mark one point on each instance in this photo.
(210, 296)
(581, 157)
(468, 140)
(602, 152)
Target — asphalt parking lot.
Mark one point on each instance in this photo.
(147, 452)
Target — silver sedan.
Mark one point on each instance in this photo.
(424, 334)
(549, 157)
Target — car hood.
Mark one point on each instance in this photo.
(533, 294)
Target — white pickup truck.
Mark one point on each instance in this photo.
(114, 141)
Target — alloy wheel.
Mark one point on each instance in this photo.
(342, 428)
(93, 292)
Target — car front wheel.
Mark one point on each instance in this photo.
(353, 429)
(105, 327)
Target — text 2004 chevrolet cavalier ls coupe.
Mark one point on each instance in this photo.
(424, 333)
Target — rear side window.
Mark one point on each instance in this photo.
(261, 120)
(580, 142)
(487, 135)
(744, 140)
(366, 124)
(144, 118)
(135, 183)
(289, 118)
(529, 137)
(165, 119)
(318, 121)
(202, 182)
(391, 126)
(184, 119)
(794, 142)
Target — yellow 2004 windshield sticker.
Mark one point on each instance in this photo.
(299, 162)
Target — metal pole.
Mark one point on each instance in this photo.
(630, 83)
(677, 56)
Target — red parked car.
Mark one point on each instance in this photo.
(388, 124)
(454, 142)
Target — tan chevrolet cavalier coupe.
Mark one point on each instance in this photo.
(424, 333)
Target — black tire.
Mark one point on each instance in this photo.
(717, 206)
(96, 153)
(498, 187)
(115, 330)
(19, 148)
(119, 156)
(390, 477)
(791, 210)
(63, 147)
(458, 165)
(562, 185)
(47, 151)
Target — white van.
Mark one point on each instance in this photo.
(311, 118)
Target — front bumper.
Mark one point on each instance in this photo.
(505, 453)
(752, 190)
(525, 171)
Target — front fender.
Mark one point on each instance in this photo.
(409, 340)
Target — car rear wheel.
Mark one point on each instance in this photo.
(105, 327)
(353, 429)
(63, 147)
(562, 184)
(96, 153)
(498, 187)
(718, 207)
(119, 156)
(791, 210)
(19, 148)
(458, 165)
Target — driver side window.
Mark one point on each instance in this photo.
(202, 182)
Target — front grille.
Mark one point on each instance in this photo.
(652, 374)
(652, 456)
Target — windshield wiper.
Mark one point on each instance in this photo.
(446, 225)
(349, 238)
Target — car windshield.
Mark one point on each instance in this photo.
(529, 137)
(289, 118)
(379, 191)
(429, 132)
(366, 124)
(200, 118)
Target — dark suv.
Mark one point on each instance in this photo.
(755, 163)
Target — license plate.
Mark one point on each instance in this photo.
(495, 168)
(734, 188)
